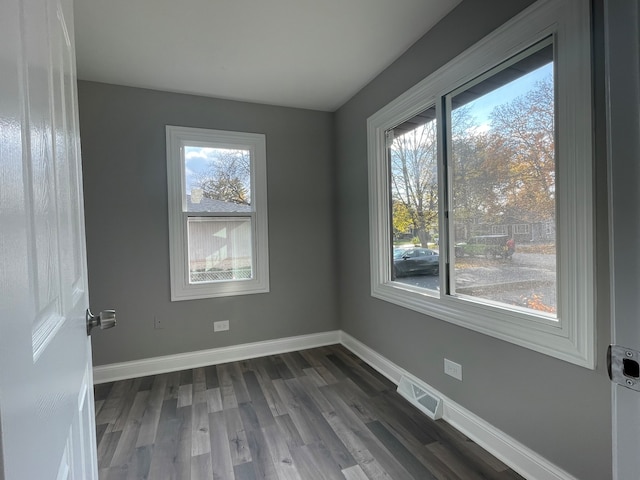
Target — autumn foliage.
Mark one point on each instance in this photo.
(536, 303)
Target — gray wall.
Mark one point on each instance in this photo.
(125, 183)
(559, 410)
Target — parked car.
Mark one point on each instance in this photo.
(415, 261)
(490, 246)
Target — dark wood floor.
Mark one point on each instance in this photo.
(314, 414)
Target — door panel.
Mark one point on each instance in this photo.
(46, 401)
(40, 176)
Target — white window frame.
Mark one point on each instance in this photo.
(570, 336)
(177, 138)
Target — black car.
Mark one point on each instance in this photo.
(414, 261)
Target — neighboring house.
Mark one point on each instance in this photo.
(218, 249)
(521, 231)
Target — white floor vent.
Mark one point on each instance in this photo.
(420, 396)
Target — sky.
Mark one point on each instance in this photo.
(196, 159)
(482, 107)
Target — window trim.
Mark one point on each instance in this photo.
(176, 138)
(571, 337)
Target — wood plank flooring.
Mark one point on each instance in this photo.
(315, 414)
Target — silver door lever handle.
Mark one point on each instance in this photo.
(105, 319)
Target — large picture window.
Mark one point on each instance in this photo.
(481, 187)
(217, 213)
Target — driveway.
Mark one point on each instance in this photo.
(518, 281)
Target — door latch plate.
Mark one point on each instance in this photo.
(624, 366)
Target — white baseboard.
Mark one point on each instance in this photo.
(520, 458)
(517, 456)
(215, 356)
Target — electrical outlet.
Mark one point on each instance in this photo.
(158, 324)
(453, 369)
(221, 326)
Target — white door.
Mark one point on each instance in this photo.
(623, 86)
(46, 397)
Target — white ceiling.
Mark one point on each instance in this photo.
(301, 53)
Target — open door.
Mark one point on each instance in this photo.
(622, 37)
(46, 392)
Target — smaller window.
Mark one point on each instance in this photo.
(217, 213)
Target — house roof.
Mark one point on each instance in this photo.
(210, 205)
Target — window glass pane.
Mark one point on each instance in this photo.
(217, 179)
(413, 154)
(219, 249)
(503, 169)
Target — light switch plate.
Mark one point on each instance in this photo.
(221, 326)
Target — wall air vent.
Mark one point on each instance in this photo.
(420, 397)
